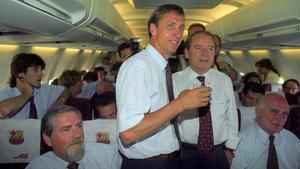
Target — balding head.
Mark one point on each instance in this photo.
(272, 112)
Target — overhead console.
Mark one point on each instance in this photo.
(259, 25)
(90, 22)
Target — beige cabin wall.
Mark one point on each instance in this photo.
(287, 61)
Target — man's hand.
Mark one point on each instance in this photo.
(229, 155)
(194, 98)
(24, 87)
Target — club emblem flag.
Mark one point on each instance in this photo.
(103, 138)
(101, 131)
(16, 137)
(19, 140)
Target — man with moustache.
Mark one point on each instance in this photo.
(222, 111)
(62, 130)
(147, 138)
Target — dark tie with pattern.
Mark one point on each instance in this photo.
(73, 165)
(32, 111)
(272, 156)
(205, 137)
(171, 97)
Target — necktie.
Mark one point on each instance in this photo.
(272, 156)
(205, 136)
(73, 165)
(171, 97)
(32, 111)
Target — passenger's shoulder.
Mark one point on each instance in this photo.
(179, 74)
(7, 90)
(218, 74)
(41, 162)
(96, 147)
(139, 59)
(248, 133)
(289, 136)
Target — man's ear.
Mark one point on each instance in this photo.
(47, 140)
(153, 29)
(257, 111)
(186, 53)
(243, 95)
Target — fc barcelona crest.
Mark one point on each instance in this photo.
(103, 137)
(16, 137)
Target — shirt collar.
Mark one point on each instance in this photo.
(61, 161)
(192, 75)
(264, 136)
(157, 57)
(35, 91)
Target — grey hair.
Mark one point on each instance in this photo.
(262, 99)
(51, 114)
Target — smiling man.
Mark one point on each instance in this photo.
(219, 119)
(26, 88)
(266, 144)
(62, 130)
(146, 136)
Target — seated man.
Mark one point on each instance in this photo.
(266, 143)
(125, 51)
(89, 77)
(102, 87)
(105, 105)
(62, 130)
(290, 88)
(251, 93)
(252, 77)
(101, 73)
(71, 79)
(293, 122)
(27, 97)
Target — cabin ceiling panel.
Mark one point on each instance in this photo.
(189, 4)
(137, 18)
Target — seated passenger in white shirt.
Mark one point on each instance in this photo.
(62, 130)
(256, 141)
(251, 93)
(25, 86)
(105, 105)
(249, 77)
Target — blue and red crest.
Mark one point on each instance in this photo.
(16, 137)
(103, 137)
